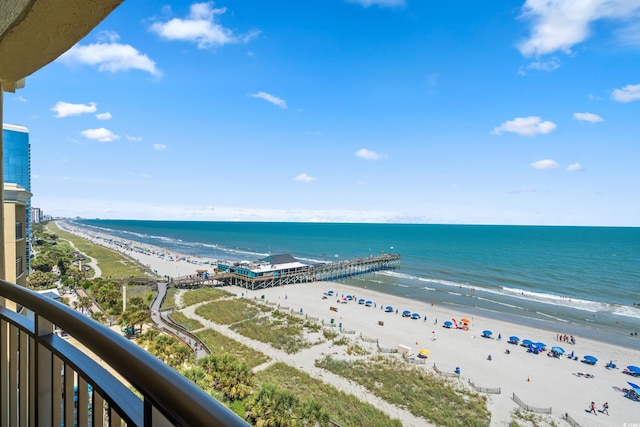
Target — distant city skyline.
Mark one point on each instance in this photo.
(343, 111)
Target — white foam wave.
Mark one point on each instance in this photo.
(624, 310)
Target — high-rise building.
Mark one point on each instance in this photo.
(36, 215)
(17, 170)
(16, 250)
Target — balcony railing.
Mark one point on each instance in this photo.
(46, 381)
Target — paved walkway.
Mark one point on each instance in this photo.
(93, 263)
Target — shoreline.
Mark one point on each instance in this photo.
(538, 380)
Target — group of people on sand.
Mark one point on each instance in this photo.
(566, 338)
(604, 410)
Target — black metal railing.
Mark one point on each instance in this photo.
(45, 380)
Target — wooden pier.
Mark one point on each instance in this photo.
(311, 273)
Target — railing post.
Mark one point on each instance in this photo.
(4, 373)
(44, 374)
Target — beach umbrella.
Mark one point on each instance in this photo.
(590, 359)
(636, 387)
(487, 332)
(540, 345)
(361, 301)
(634, 369)
(465, 320)
(514, 338)
(388, 309)
(527, 343)
(448, 324)
(415, 316)
(406, 313)
(369, 303)
(558, 350)
(424, 353)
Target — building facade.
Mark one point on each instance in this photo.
(16, 250)
(17, 170)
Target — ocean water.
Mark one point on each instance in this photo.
(575, 280)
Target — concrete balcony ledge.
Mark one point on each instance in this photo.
(41, 374)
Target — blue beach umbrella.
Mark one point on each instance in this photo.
(447, 324)
(406, 313)
(368, 303)
(415, 316)
(558, 350)
(527, 343)
(634, 369)
(361, 301)
(514, 338)
(635, 387)
(540, 345)
(487, 332)
(591, 359)
(388, 309)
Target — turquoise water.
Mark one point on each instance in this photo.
(580, 280)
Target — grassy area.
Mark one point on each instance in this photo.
(221, 344)
(187, 322)
(423, 393)
(345, 409)
(282, 331)
(112, 264)
(228, 312)
(170, 298)
(196, 296)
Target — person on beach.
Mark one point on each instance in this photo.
(605, 408)
(592, 408)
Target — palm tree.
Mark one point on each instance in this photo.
(312, 414)
(84, 303)
(198, 376)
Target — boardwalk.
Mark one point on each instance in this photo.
(310, 273)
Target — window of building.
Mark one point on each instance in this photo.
(19, 233)
(19, 268)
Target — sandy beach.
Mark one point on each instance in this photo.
(538, 380)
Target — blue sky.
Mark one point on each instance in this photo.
(481, 112)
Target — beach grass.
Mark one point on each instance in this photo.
(345, 409)
(111, 263)
(423, 393)
(196, 296)
(228, 311)
(187, 322)
(221, 344)
(282, 331)
(170, 298)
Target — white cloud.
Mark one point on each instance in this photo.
(100, 134)
(574, 167)
(363, 153)
(527, 126)
(381, 3)
(627, 94)
(111, 57)
(303, 177)
(270, 98)
(103, 116)
(200, 27)
(20, 98)
(558, 25)
(133, 138)
(545, 164)
(588, 117)
(66, 109)
(159, 147)
(547, 66)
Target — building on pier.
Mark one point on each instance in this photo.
(284, 269)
